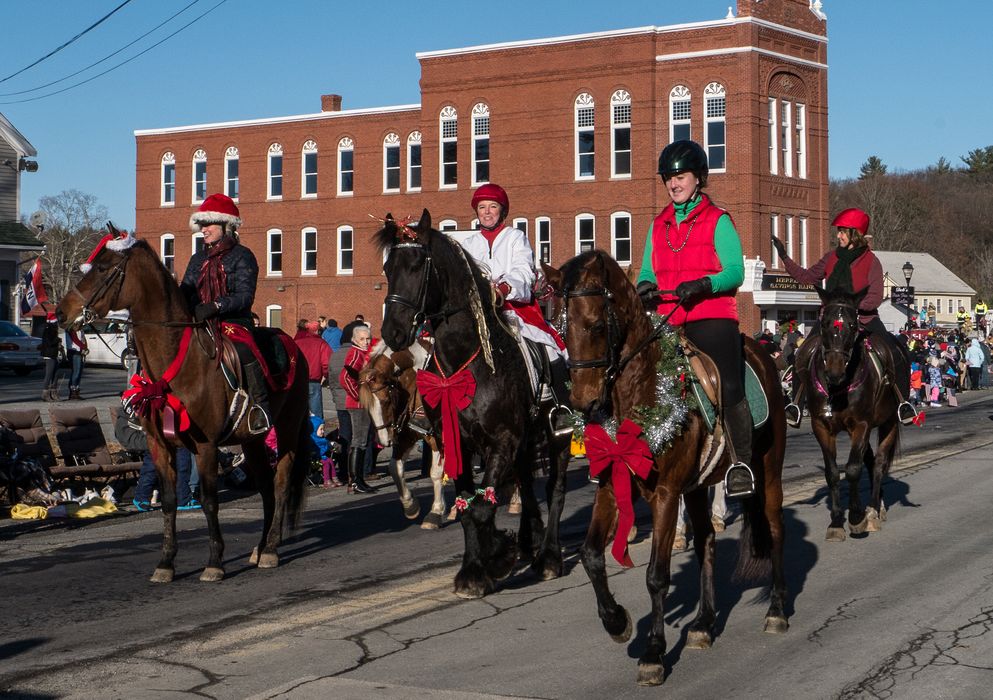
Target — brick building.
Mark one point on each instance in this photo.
(572, 126)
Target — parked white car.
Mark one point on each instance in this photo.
(107, 342)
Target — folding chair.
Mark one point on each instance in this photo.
(34, 438)
(84, 448)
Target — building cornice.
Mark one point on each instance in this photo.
(268, 121)
(740, 49)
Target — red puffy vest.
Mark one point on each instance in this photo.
(684, 252)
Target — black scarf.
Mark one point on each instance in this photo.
(841, 275)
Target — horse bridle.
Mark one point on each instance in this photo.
(392, 386)
(845, 353)
(419, 304)
(86, 314)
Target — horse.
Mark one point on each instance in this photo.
(482, 398)
(131, 276)
(613, 361)
(387, 389)
(845, 393)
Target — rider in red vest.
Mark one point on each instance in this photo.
(694, 254)
(852, 266)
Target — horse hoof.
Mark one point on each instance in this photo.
(432, 521)
(632, 533)
(412, 510)
(212, 574)
(699, 639)
(873, 521)
(776, 625)
(679, 543)
(547, 567)
(718, 523)
(452, 514)
(882, 512)
(254, 558)
(651, 674)
(162, 576)
(625, 634)
(472, 583)
(836, 534)
(859, 527)
(268, 560)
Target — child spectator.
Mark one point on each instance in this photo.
(324, 453)
(934, 381)
(915, 382)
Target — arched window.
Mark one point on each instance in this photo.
(787, 121)
(680, 109)
(585, 233)
(274, 316)
(414, 161)
(543, 239)
(714, 126)
(231, 180)
(480, 144)
(620, 134)
(199, 176)
(275, 171)
(585, 144)
(308, 251)
(167, 252)
(308, 173)
(391, 163)
(346, 250)
(274, 253)
(448, 122)
(168, 179)
(346, 167)
(620, 237)
(448, 225)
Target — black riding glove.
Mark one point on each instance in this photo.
(687, 291)
(778, 245)
(204, 311)
(649, 293)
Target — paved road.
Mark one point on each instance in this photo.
(362, 607)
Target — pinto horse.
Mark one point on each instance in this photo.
(482, 399)
(845, 393)
(388, 390)
(134, 278)
(613, 363)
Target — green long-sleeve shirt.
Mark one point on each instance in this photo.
(726, 243)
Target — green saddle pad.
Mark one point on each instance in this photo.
(757, 403)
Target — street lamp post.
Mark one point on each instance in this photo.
(908, 272)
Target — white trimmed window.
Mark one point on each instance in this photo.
(308, 170)
(391, 163)
(585, 233)
(620, 134)
(274, 252)
(167, 252)
(774, 230)
(773, 137)
(414, 161)
(308, 251)
(522, 225)
(788, 220)
(448, 123)
(199, 176)
(274, 316)
(198, 244)
(801, 140)
(346, 167)
(801, 256)
(168, 179)
(786, 141)
(543, 239)
(453, 225)
(620, 237)
(346, 249)
(715, 126)
(585, 141)
(275, 172)
(231, 180)
(680, 109)
(474, 224)
(480, 144)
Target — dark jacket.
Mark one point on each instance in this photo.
(241, 272)
(129, 433)
(50, 341)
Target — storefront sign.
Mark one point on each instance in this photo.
(784, 283)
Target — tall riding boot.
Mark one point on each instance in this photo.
(739, 480)
(561, 417)
(356, 464)
(905, 411)
(258, 415)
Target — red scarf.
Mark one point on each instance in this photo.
(213, 280)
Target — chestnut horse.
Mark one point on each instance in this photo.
(613, 363)
(134, 278)
(485, 395)
(845, 393)
(387, 389)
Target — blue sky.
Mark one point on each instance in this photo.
(909, 80)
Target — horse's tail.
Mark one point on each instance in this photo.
(298, 478)
(755, 544)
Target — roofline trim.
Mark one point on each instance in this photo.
(739, 49)
(277, 120)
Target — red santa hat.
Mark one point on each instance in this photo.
(216, 209)
(118, 241)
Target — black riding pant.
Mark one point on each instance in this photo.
(721, 340)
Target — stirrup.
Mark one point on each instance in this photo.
(420, 424)
(562, 420)
(906, 412)
(258, 421)
(736, 487)
(794, 414)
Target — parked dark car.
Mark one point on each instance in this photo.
(18, 350)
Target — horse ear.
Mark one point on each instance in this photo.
(389, 223)
(113, 229)
(424, 225)
(823, 294)
(552, 275)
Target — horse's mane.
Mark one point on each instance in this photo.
(160, 268)
(574, 268)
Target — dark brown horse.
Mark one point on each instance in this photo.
(388, 390)
(609, 338)
(132, 277)
(845, 392)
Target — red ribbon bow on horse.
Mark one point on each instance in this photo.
(630, 454)
(149, 397)
(454, 394)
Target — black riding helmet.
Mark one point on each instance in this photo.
(684, 156)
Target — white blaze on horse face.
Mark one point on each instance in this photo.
(382, 431)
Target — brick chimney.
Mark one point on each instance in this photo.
(330, 103)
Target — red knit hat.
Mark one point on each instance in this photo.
(216, 209)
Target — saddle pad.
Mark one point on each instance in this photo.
(757, 403)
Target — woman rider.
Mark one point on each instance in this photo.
(694, 249)
(853, 267)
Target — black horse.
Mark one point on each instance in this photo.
(845, 391)
(432, 280)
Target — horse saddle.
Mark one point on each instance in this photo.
(704, 383)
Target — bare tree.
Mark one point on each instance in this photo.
(73, 220)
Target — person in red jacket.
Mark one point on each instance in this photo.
(355, 360)
(854, 267)
(318, 353)
(694, 254)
